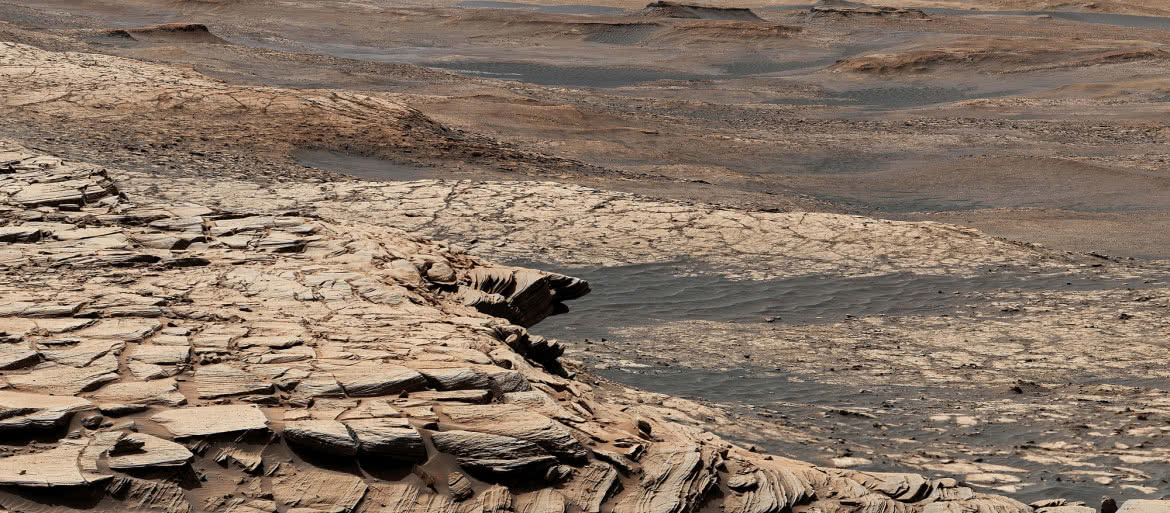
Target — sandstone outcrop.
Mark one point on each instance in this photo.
(521, 295)
(384, 336)
(581, 226)
(25, 411)
(170, 33)
(845, 8)
(667, 9)
(143, 97)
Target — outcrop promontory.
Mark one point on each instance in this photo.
(166, 355)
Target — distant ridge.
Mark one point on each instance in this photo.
(667, 9)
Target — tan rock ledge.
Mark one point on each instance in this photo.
(324, 363)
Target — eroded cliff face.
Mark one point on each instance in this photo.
(166, 355)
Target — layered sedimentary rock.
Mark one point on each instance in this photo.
(265, 336)
(582, 226)
(846, 8)
(667, 9)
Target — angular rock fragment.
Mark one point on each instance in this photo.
(54, 467)
(17, 234)
(523, 296)
(151, 451)
(388, 437)
(14, 356)
(21, 411)
(250, 458)
(327, 436)
(211, 420)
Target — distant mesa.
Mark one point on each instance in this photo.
(846, 8)
(665, 9)
(170, 33)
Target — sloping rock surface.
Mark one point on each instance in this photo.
(265, 330)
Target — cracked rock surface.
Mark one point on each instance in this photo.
(259, 344)
(577, 226)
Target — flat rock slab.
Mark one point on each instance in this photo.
(327, 436)
(494, 454)
(516, 422)
(161, 355)
(392, 437)
(37, 411)
(13, 356)
(65, 379)
(221, 380)
(55, 467)
(368, 381)
(154, 452)
(211, 420)
(164, 392)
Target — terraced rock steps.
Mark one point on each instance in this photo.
(176, 357)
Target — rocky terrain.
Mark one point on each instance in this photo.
(164, 355)
(548, 257)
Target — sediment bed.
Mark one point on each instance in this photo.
(296, 361)
(205, 305)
